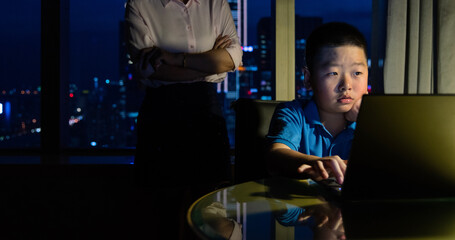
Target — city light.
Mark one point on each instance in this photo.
(247, 48)
(7, 109)
(1, 108)
(74, 120)
(71, 95)
(93, 144)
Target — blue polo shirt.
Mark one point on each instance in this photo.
(297, 125)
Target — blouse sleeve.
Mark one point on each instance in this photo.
(138, 33)
(228, 28)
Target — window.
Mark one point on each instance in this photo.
(20, 91)
(103, 99)
(82, 91)
(311, 14)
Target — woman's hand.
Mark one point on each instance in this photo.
(222, 42)
(147, 61)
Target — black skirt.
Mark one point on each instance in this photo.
(182, 136)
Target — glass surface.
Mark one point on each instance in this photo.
(282, 208)
(311, 14)
(20, 92)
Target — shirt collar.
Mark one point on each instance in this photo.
(165, 2)
(312, 113)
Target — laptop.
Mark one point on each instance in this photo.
(403, 148)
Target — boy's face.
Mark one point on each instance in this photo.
(339, 78)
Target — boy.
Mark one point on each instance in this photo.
(313, 139)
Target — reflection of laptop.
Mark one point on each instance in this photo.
(403, 148)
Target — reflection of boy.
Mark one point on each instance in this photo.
(314, 139)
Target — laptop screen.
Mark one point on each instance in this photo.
(403, 147)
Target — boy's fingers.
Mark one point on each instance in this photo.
(336, 169)
(310, 171)
(320, 165)
(304, 168)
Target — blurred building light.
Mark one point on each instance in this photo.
(133, 114)
(247, 48)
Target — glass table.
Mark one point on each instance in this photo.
(282, 208)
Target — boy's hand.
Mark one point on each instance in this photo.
(325, 167)
(352, 114)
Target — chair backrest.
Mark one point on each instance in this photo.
(252, 122)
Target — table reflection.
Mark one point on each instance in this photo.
(281, 208)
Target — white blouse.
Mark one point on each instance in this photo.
(176, 27)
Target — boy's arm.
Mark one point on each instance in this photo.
(284, 161)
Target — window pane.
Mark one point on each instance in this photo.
(258, 41)
(254, 79)
(103, 98)
(311, 14)
(20, 74)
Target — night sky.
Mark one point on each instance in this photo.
(94, 37)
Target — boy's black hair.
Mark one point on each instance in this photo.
(333, 34)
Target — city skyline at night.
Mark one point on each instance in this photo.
(100, 83)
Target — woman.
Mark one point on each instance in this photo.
(180, 49)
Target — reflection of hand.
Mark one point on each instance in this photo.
(325, 167)
(328, 222)
(331, 227)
